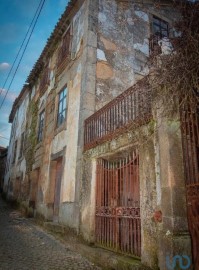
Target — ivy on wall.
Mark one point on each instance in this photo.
(31, 134)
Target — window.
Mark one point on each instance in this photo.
(160, 30)
(44, 80)
(15, 152)
(64, 49)
(62, 107)
(22, 145)
(41, 126)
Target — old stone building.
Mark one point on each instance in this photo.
(89, 148)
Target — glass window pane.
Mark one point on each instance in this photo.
(64, 92)
(160, 27)
(60, 107)
(41, 125)
(60, 95)
(64, 103)
(156, 30)
(64, 114)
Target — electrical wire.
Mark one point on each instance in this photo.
(43, 1)
(20, 48)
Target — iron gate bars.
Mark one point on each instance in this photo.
(132, 106)
(118, 224)
(190, 135)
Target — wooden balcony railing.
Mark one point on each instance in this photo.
(131, 107)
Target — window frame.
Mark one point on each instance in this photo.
(15, 152)
(159, 25)
(61, 102)
(64, 50)
(155, 37)
(40, 132)
(22, 145)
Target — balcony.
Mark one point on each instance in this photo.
(131, 108)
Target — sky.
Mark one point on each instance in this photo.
(15, 18)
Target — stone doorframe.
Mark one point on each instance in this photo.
(50, 198)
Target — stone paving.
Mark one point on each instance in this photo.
(25, 246)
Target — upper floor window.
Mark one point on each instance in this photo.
(15, 152)
(62, 106)
(64, 49)
(160, 30)
(41, 126)
(160, 27)
(22, 144)
(44, 80)
(14, 124)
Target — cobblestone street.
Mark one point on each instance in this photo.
(23, 245)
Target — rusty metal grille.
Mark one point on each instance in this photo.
(190, 133)
(154, 46)
(118, 224)
(132, 106)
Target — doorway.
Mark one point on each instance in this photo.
(57, 194)
(118, 223)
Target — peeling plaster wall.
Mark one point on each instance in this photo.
(9, 166)
(18, 169)
(68, 194)
(65, 138)
(123, 45)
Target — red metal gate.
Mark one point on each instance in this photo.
(118, 224)
(190, 133)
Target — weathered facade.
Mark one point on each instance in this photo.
(118, 177)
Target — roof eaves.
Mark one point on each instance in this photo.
(53, 39)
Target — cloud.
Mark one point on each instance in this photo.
(4, 66)
(10, 96)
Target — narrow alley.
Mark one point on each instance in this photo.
(23, 245)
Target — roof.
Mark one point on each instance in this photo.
(48, 49)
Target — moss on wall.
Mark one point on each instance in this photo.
(31, 134)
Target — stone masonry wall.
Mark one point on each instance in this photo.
(124, 29)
